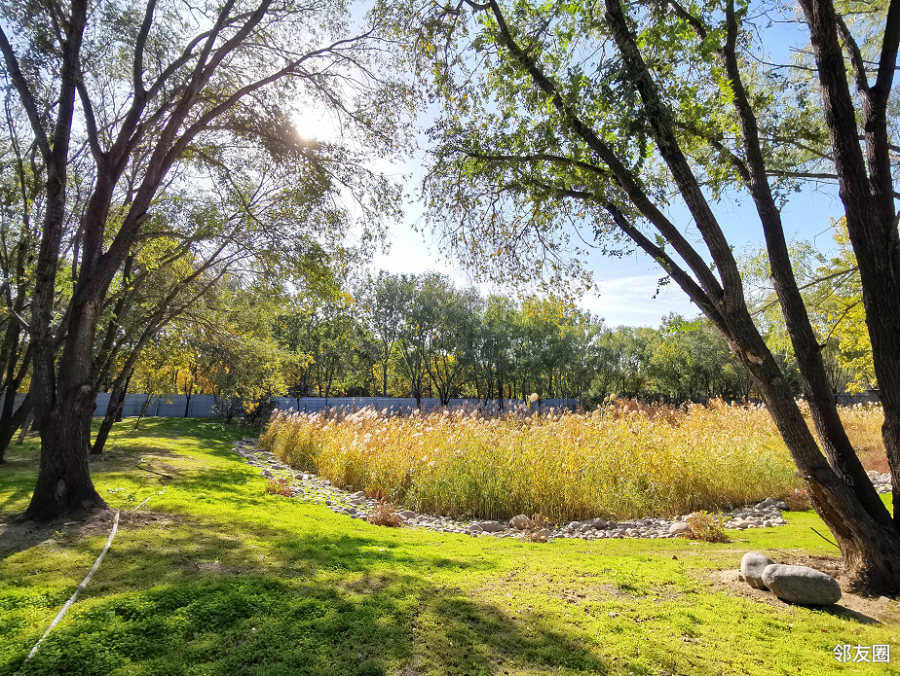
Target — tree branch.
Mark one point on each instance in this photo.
(623, 177)
(28, 102)
(888, 62)
(856, 59)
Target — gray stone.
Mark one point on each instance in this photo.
(801, 584)
(598, 523)
(359, 495)
(492, 526)
(678, 528)
(520, 522)
(752, 566)
(407, 514)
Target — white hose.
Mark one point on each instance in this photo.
(78, 589)
(148, 500)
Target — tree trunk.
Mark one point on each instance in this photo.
(866, 190)
(113, 411)
(137, 424)
(25, 427)
(64, 487)
(871, 549)
(10, 423)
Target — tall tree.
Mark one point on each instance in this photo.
(594, 114)
(156, 90)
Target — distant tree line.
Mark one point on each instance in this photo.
(421, 336)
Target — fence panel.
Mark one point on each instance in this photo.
(203, 405)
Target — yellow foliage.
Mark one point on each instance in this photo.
(623, 461)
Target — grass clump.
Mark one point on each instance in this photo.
(624, 461)
(280, 486)
(707, 527)
(385, 514)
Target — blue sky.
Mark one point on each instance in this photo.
(628, 286)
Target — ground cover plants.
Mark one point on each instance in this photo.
(624, 460)
(220, 578)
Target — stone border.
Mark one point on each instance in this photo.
(311, 488)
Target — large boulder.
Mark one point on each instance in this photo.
(492, 526)
(520, 522)
(679, 528)
(752, 566)
(801, 584)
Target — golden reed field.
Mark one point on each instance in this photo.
(625, 460)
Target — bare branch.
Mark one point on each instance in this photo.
(28, 102)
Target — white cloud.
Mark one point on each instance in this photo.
(629, 300)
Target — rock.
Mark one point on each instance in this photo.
(475, 528)
(520, 522)
(358, 495)
(267, 474)
(598, 523)
(492, 526)
(883, 600)
(740, 523)
(801, 584)
(678, 528)
(407, 514)
(752, 566)
(542, 534)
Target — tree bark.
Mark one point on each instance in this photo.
(64, 487)
(866, 190)
(9, 424)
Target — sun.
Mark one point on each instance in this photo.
(315, 125)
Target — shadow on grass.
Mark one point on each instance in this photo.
(184, 598)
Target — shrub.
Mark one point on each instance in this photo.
(797, 500)
(707, 527)
(280, 487)
(532, 531)
(385, 514)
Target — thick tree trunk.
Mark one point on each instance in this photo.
(866, 188)
(64, 487)
(871, 548)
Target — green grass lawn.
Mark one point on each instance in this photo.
(217, 577)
